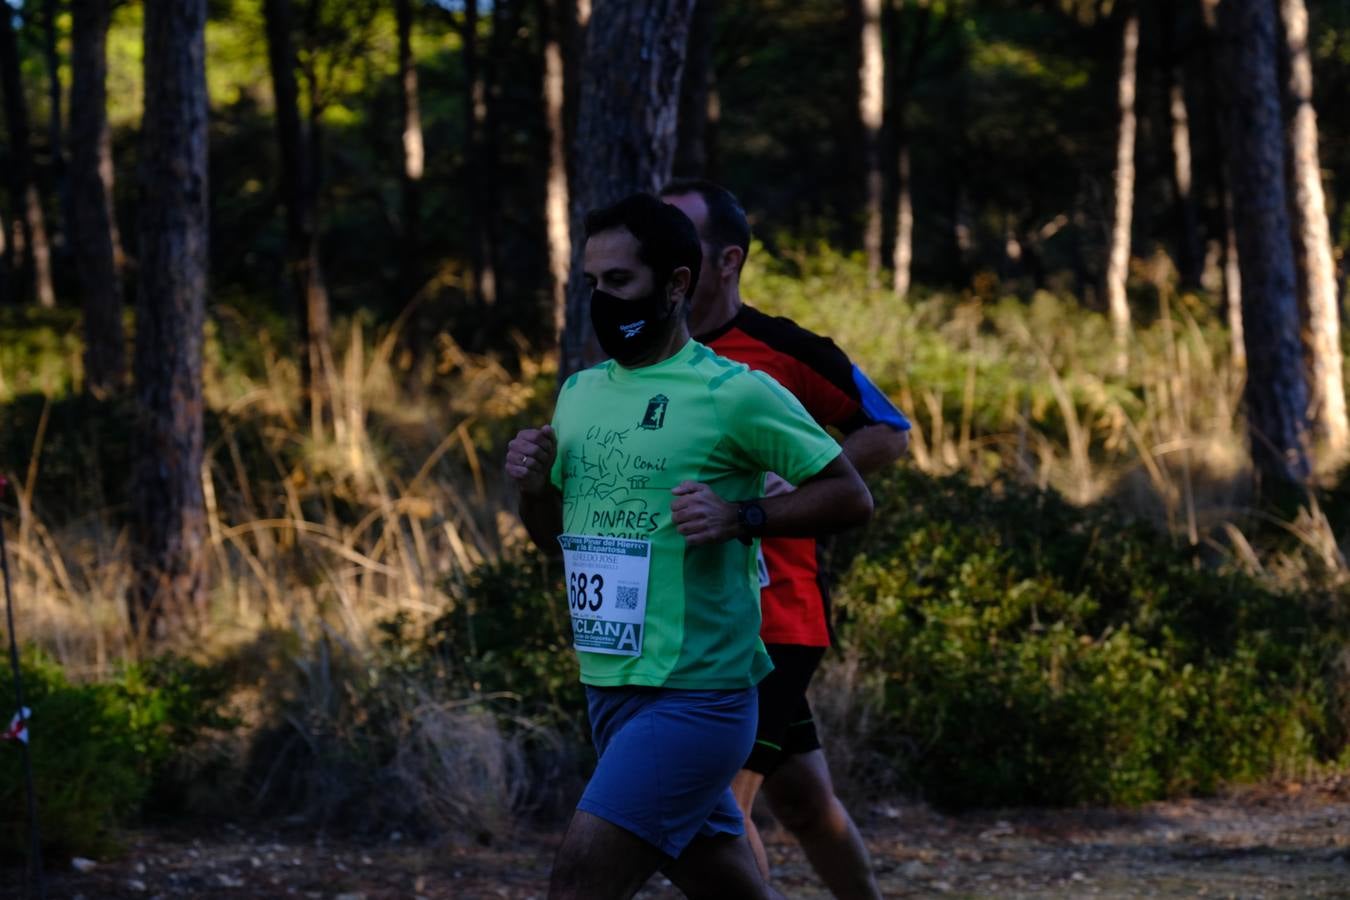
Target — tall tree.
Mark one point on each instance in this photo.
(1232, 282)
(1312, 241)
(56, 149)
(169, 589)
(555, 14)
(901, 62)
(697, 99)
(482, 249)
(1118, 253)
(414, 154)
(1190, 255)
(299, 192)
(1232, 271)
(1276, 393)
(94, 226)
(871, 107)
(5, 264)
(23, 188)
(1191, 258)
(626, 124)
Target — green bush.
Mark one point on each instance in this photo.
(98, 750)
(1036, 653)
(511, 633)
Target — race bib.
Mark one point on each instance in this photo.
(607, 592)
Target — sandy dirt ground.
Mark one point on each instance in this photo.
(1280, 841)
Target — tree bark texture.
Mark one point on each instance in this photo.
(414, 154)
(1118, 254)
(871, 107)
(23, 187)
(691, 147)
(299, 193)
(1312, 242)
(93, 225)
(626, 126)
(169, 591)
(1276, 392)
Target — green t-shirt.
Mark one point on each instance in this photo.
(625, 438)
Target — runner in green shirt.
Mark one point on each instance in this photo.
(650, 482)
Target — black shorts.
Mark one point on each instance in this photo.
(786, 727)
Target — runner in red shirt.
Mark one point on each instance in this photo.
(787, 761)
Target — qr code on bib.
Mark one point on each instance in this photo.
(626, 598)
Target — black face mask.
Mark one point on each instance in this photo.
(630, 329)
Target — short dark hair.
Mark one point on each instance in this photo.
(666, 238)
(727, 225)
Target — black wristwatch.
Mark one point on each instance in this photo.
(750, 516)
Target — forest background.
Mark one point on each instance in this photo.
(263, 559)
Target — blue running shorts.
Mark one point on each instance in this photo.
(667, 758)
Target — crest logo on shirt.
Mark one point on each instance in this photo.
(656, 413)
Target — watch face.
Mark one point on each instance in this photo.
(753, 514)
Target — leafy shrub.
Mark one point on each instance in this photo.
(99, 749)
(1038, 653)
(511, 633)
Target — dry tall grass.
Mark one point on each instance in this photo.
(382, 512)
(388, 508)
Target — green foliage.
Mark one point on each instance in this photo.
(1037, 653)
(98, 750)
(512, 634)
(40, 352)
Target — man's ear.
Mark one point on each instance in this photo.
(678, 288)
(731, 259)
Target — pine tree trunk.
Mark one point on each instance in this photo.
(903, 257)
(475, 108)
(299, 191)
(6, 264)
(691, 147)
(169, 590)
(871, 106)
(1118, 255)
(54, 122)
(23, 188)
(1276, 393)
(1232, 283)
(93, 226)
(1312, 242)
(626, 123)
(504, 26)
(413, 153)
(1191, 257)
(556, 187)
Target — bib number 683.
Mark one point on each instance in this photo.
(584, 591)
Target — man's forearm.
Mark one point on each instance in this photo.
(833, 501)
(875, 447)
(541, 512)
